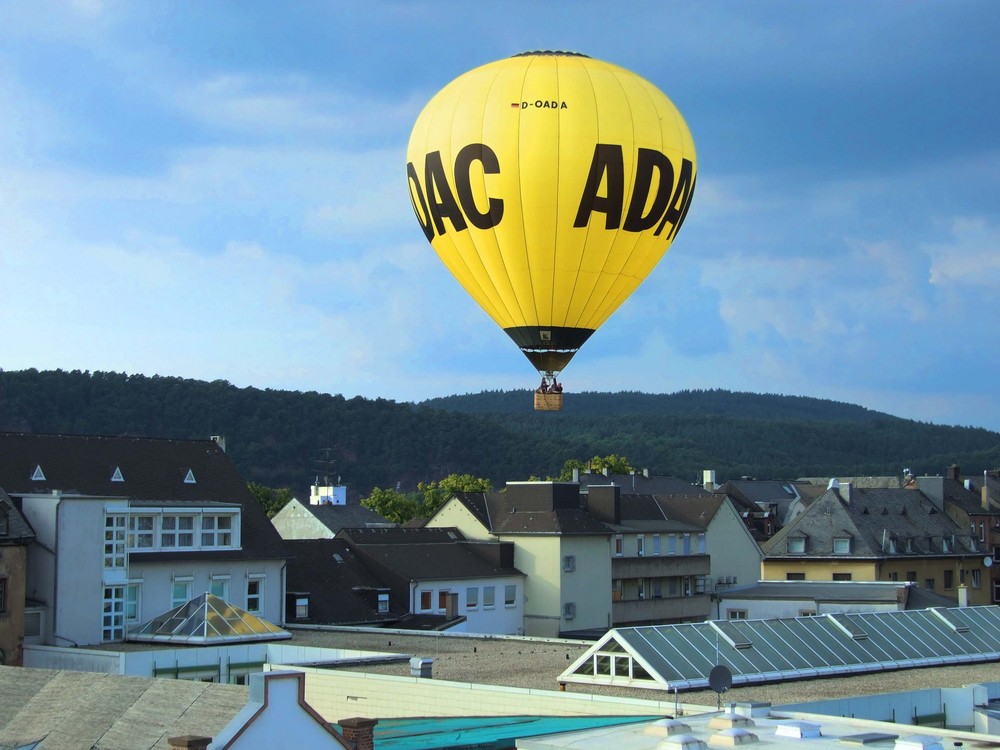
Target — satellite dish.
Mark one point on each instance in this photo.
(720, 679)
(988, 561)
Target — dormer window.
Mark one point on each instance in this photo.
(797, 546)
(117, 476)
(4, 523)
(842, 545)
(946, 544)
(189, 478)
(38, 475)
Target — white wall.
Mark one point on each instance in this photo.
(295, 521)
(734, 551)
(497, 620)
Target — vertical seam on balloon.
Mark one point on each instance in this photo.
(520, 182)
(501, 297)
(576, 280)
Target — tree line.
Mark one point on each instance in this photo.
(286, 439)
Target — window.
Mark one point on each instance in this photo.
(687, 544)
(929, 584)
(3, 594)
(949, 579)
(616, 590)
(656, 544)
(383, 603)
(657, 588)
(113, 621)
(114, 541)
(133, 593)
(4, 523)
(642, 588)
(180, 592)
(671, 544)
(841, 576)
(807, 613)
(177, 531)
(797, 546)
(911, 575)
(472, 597)
(219, 587)
(982, 531)
(489, 595)
(255, 595)
(842, 546)
(140, 532)
(443, 600)
(672, 584)
(301, 607)
(977, 579)
(640, 545)
(217, 531)
(795, 576)
(736, 614)
(701, 544)
(425, 601)
(619, 545)
(510, 595)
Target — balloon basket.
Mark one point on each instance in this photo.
(548, 401)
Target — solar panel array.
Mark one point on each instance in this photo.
(682, 656)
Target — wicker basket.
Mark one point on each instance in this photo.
(548, 401)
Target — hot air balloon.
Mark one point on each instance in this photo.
(550, 184)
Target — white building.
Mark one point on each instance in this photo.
(130, 528)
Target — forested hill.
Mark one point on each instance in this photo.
(683, 403)
(286, 438)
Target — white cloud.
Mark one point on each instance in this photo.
(970, 259)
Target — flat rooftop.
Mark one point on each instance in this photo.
(537, 663)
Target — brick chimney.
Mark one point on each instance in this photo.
(359, 733)
(189, 742)
(953, 472)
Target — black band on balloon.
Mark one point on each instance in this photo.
(550, 338)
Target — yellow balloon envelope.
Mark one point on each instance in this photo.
(550, 184)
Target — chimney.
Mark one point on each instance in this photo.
(952, 472)
(963, 595)
(604, 503)
(708, 479)
(933, 488)
(189, 742)
(845, 492)
(576, 475)
(359, 733)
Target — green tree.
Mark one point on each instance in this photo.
(436, 493)
(392, 505)
(270, 499)
(614, 463)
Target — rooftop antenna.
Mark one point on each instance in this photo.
(720, 679)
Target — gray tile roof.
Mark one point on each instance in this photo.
(153, 469)
(640, 484)
(871, 519)
(73, 710)
(342, 589)
(337, 517)
(18, 530)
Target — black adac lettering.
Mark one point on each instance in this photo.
(647, 162)
(463, 184)
(439, 196)
(680, 201)
(417, 197)
(607, 161)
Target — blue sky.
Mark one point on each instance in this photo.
(216, 190)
